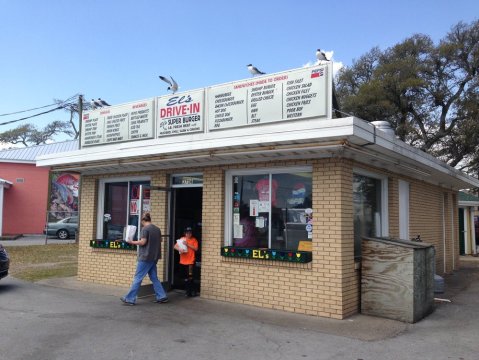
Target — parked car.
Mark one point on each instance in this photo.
(4, 262)
(62, 229)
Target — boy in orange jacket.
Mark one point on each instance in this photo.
(187, 247)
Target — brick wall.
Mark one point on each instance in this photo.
(114, 267)
(328, 286)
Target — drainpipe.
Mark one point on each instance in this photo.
(472, 230)
(452, 237)
(444, 232)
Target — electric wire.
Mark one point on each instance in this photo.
(23, 111)
(61, 105)
(28, 117)
(40, 107)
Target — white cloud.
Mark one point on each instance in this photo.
(337, 65)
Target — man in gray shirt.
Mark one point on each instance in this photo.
(149, 253)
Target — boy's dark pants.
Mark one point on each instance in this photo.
(189, 281)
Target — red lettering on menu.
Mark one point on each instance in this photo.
(179, 110)
(136, 106)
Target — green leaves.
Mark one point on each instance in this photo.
(428, 92)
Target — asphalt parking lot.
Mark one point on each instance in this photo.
(68, 319)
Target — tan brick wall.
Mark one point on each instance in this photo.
(435, 224)
(328, 286)
(115, 267)
(325, 287)
(425, 216)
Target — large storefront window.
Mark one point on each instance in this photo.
(121, 207)
(370, 208)
(271, 210)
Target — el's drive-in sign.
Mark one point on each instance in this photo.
(286, 96)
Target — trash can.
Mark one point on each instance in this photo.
(397, 279)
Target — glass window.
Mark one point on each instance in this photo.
(368, 209)
(121, 206)
(271, 210)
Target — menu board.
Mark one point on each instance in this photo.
(284, 96)
(133, 121)
(180, 114)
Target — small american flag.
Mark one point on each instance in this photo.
(317, 73)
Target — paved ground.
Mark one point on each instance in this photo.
(69, 319)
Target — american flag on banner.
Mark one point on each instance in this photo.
(317, 73)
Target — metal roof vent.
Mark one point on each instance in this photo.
(383, 126)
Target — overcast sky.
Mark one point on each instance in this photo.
(54, 49)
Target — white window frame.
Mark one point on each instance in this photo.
(228, 240)
(404, 190)
(101, 198)
(384, 197)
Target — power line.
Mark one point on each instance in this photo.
(28, 117)
(19, 112)
(59, 106)
(41, 107)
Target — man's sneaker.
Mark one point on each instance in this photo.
(126, 302)
(161, 301)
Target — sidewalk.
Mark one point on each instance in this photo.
(35, 240)
(361, 327)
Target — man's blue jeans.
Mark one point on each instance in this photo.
(143, 268)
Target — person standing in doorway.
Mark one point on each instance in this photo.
(149, 252)
(187, 247)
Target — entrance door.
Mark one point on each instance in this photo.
(187, 205)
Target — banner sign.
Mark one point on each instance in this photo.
(180, 114)
(284, 96)
(133, 121)
(290, 95)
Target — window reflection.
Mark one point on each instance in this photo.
(367, 209)
(272, 210)
(122, 206)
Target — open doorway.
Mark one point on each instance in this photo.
(186, 210)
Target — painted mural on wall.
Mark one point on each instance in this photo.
(63, 195)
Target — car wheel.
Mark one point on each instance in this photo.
(63, 234)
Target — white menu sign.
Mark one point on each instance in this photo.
(112, 124)
(291, 95)
(180, 113)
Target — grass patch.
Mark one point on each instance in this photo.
(38, 262)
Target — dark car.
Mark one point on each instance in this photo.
(62, 229)
(4, 262)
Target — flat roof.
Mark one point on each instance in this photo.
(311, 138)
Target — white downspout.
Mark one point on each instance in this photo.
(465, 222)
(473, 232)
(452, 236)
(444, 232)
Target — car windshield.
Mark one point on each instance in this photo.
(73, 219)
